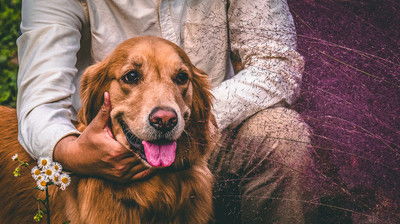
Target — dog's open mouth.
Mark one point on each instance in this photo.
(159, 153)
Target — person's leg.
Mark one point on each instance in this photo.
(260, 169)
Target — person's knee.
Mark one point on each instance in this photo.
(278, 135)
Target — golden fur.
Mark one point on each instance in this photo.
(177, 194)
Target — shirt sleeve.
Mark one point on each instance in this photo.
(47, 50)
(263, 35)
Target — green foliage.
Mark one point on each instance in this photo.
(10, 17)
(39, 215)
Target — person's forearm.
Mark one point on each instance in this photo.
(41, 128)
(63, 152)
(250, 91)
(262, 34)
(47, 50)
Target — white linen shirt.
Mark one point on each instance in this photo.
(60, 38)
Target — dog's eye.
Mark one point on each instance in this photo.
(181, 78)
(132, 77)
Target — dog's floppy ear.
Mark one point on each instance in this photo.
(93, 85)
(201, 114)
(201, 106)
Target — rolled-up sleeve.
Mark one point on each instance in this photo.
(262, 34)
(47, 50)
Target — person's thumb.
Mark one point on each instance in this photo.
(102, 117)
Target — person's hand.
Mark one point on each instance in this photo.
(95, 152)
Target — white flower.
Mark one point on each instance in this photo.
(49, 172)
(44, 162)
(65, 180)
(57, 167)
(41, 184)
(56, 179)
(36, 172)
(42, 177)
(15, 157)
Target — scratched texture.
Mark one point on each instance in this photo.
(351, 99)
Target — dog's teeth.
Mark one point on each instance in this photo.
(134, 141)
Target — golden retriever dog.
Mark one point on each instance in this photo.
(160, 101)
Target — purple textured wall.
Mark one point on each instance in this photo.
(351, 99)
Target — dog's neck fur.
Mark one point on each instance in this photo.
(167, 198)
(173, 196)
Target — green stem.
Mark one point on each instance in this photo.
(41, 201)
(47, 205)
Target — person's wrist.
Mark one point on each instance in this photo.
(63, 150)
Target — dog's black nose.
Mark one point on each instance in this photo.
(163, 118)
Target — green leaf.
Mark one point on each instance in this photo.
(10, 19)
(39, 215)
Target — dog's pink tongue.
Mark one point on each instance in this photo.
(159, 155)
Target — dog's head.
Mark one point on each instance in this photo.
(161, 103)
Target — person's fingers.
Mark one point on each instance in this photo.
(129, 155)
(130, 162)
(109, 132)
(136, 172)
(125, 176)
(102, 117)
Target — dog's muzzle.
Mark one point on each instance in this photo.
(159, 153)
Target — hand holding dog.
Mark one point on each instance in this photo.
(96, 153)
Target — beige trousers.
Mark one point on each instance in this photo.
(260, 169)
